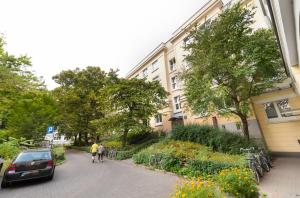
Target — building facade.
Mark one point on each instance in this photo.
(166, 62)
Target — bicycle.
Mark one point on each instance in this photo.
(264, 161)
(253, 163)
(112, 154)
(155, 160)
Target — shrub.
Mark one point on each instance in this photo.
(59, 153)
(170, 163)
(137, 137)
(121, 155)
(113, 145)
(217, 139)
(197, 189)
(9, 149)
(238, 182)
(187, 158)
(5, 165)
(207, 167)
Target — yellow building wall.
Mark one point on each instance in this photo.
(280, 136)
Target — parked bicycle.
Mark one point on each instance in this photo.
(264, 160)
(112, 154)
(155, 160)
(253, 163)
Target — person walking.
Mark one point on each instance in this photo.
(101, 151)
(94, 149)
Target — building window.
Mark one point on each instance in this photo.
(145, 73)
(177, 104)
(158, 118)
(174, 82)
(186, 64)
(155, 66)
(206, 23)
(279, 109)
(172, 63)
(156, 78)
(187, 40)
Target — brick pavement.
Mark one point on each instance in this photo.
(79, 178)
(283, 181)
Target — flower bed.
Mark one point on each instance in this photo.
(187, 158)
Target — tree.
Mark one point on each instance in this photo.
(230, 63)
(16, 81)
(32, 114)
(79, 101)
(131, 102)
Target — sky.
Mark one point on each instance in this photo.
(65, 34)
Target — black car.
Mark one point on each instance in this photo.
(30, 164)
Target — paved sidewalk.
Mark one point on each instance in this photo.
(283, 181)
(79, 178)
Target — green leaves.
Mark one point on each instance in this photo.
(80, 99)
(130, 102)
(18, 84)
(230, 63)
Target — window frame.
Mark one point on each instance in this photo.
(174, 84)
(145, 72)
(177, 103)
(172, 63)
(154, 65)
(158, 119)
(279, 112)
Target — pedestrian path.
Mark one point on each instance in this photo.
(283, 181)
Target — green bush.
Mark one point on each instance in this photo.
(9, 149)
(137, 137)
(187, 158)
(59, 153)
(121, 155)
(113, 145)
(207, 167)
(238, 182)
(217, 139)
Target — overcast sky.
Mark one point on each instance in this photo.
(65, 34)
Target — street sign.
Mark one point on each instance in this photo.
(50, 129)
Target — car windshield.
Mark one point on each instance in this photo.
(33, 156)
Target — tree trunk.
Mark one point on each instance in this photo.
(245, 127)
(79, 139)
(75, 139)
(86, 138)
(124, 141)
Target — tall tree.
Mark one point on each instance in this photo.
(16, 80)
(79, 103)
(131, 102)
(230, 63)
(32, 114)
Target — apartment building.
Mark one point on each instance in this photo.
(166, 62)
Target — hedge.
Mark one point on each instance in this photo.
(218, 139)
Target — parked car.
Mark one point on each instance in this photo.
(30, 164)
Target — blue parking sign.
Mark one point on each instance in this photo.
(50, 129)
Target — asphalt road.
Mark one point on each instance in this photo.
(79, 178)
